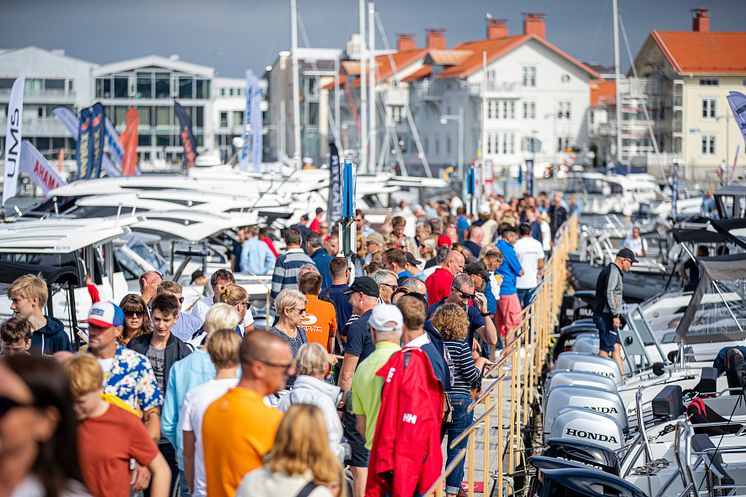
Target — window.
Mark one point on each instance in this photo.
(508, 109)
(222, 92)
(120, 114)
(230, 92)
(492, 111)
(143, 113)
(121, 87)
(448, 144)
(491, 75)
(40, 112)
(563, 110)
(529, 76)
(529, 110)
(162, 85)
(223, 119)
(562, 143)
(709, 82)
(492, 143)
(186, 87)
(237, 118)
(54, 84)
(103, 88)
(396, 113)
(203, 89)
(708, 107)
(199, 116)
(708, 145)
(163, 116)
(144, 85)
(511, 143)
(6, 83)
(426, 145)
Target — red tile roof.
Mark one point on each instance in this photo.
(603, 92)
(421, 73)
(497, 48)
(691, 52)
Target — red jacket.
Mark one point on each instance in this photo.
(406, 458)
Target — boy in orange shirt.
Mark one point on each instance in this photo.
(321, 316)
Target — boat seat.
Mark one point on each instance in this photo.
(699, 412)
(713, 460)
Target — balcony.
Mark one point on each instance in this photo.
(43, 96)
(44, 126)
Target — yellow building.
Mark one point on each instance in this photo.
(693, 72)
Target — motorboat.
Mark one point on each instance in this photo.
(601, 194)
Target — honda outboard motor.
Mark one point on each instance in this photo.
(587, 425)
(585, 482)
(587, 343)
(595, 399)
(580, 378)
(577, 361)
(588, 453)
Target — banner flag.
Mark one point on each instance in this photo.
(38, 169)
(530, 177)
(112, 142)
(128, 140)
(84, 148)
(243, 154)
(334, 203)
(674, 189)
(252, 125)
(737, 102)
(70, 120)
(187, 137)
(13, 137)
(348, 190)
(98, 129)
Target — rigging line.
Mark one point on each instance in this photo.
(410, 120)
(653, 140)
(306, 40)
(599, 26)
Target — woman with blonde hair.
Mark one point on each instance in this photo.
(453, 324)
(291, 311)
(136, 321)
(300, 462)
(237, 296)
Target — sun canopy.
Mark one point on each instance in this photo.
(722, 318)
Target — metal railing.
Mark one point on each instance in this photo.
(521, 360)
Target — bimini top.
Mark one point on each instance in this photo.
(723, 317)
(190, 225)
(61, 235)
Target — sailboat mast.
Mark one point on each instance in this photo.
(363, 92)
(296, 89)
(371, 86)
(615, 13)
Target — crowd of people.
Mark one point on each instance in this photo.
(172, 398)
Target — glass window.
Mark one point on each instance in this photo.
(237, 118)
(121, 89)
(54, 84)
(199, 116)
(186, 87)
(163, 116)
(203, 89)
(163, 140)
(120, 114)
(708, 145)
(6, 83)
(708, 107)
(162, 85)
(709, 82)
(200, 140)
(223, 119)
(144, 85)
(144, 114)
(103, 88)
(144, 141)
(529, 76)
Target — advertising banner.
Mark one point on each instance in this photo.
(187, 137)
(36, 166)
(13, 137)
(84, 148)
(334, 206)
(98, 130)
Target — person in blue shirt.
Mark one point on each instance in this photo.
(462, 223)
(320, 257)
(508, 307)
(256, 258)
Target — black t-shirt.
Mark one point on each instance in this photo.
(236, 252)
(359, 342)
(692, 268)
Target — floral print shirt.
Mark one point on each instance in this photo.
(132, 379)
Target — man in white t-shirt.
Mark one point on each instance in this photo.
(530, 253)
(219, 280)
(636, 243)
(223, 349)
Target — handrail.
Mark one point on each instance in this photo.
(511, 395)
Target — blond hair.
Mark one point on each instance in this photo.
(223, 348)
(29, 286)
(302, 444)
(221, 316)
(451, 321)
(169, 287)
(85, 374)
(234, 294)
(288, 300)
(312, 359)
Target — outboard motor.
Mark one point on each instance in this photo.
(587, 343)
(541, 463)
(595, 399)
(588, 453)
(577, 361)
(585, 482)
(734, 371)
(587, 425)
(580, 378)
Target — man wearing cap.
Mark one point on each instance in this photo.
(385, 325)
(373, 243)
(195, 290)
(412, 267)
(439, 283)
(364, 296)
(127, 374)
(608, 307)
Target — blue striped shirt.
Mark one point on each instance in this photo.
(463, 371)
(286, 270)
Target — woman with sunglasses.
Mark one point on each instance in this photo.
(38, 440)
(136, 322)
(237, 297)
(291, 311)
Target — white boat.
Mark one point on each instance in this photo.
(603, 194)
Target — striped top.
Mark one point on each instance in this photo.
(286, 271)
(463, 371)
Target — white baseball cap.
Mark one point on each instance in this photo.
(382, 317)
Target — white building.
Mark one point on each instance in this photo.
(536, 99)
(229, 103)
(52, 79)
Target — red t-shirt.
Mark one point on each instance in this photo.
(106, 444)
(438, 285)
(315, 225)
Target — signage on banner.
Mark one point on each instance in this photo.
(36, 166)
(97, 133)
(84, 147)
(70, 120)
(187, 137)
(334, 205)
(530, 177)
(13, 137)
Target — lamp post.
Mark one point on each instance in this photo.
(460, 118)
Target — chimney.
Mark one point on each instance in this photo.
(700, 20)
(436, 40)
(533, 24)
(406, 42)
(496, 29)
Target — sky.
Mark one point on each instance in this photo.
(233, 35)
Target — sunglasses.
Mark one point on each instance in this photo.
(301, 311)
(463, 294)
(7, 405)
(134, 314)
(393, 287)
